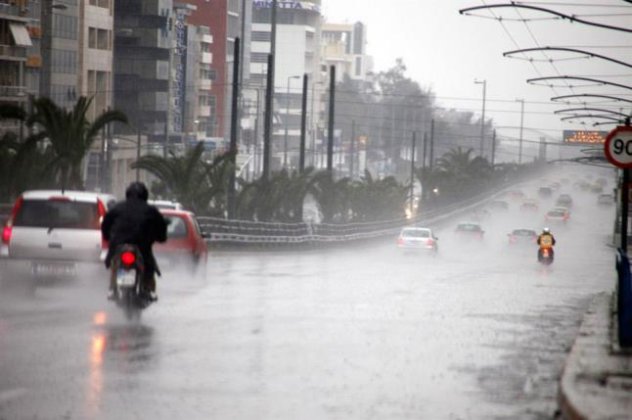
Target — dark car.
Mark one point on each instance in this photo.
(605, 199)
(545, 192)
(564, 200)
(186, 244)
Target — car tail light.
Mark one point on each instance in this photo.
(100, 210)
(400, 241)
(7, 231)
(128, 258)
(59, 198)
(6, 234)
(430, 242)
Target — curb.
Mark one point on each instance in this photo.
(591, 384)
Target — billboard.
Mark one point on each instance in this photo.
(585, 137)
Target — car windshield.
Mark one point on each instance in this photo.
(58, 214)
(415, 233)
(177, 228)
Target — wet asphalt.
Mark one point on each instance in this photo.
(363, 332)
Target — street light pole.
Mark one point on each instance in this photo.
(521, 128)
(287, 116)
(484, 83)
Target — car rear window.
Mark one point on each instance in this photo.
(556, 213)
(416, 234)
(57, 214)
(523, 232)
(469, 227)
(177, 228)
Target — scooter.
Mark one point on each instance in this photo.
(545, 255)
(128, 269)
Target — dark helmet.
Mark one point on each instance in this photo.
(137, 190)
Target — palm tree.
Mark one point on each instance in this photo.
(189, 179)
(69, 134)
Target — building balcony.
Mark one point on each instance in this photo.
(206, 58)
(206, 84)
(12, 52)
(204, 111)
(12, 93)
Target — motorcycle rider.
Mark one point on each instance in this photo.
(135, 222)
(545, 240)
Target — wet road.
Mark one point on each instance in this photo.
(479, 332)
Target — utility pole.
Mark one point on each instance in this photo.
(423, 156)
(412, 172)
(332, 108)
(234, 121)
(267, 135)
(521, 128)
(301, 161)
(484, 83)
(493, 148)
(431, 163)
(352, 149)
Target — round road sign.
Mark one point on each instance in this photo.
(618, 147)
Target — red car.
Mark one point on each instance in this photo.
(185, 245)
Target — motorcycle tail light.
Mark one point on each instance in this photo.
(128, 258)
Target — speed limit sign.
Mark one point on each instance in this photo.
(618, 147)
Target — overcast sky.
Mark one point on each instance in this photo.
(447, 51)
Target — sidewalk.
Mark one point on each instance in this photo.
(597, 379)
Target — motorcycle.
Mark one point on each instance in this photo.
(545, 255)
(128, 269)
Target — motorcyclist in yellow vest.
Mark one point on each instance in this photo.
(546, 240)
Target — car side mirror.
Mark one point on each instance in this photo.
(206, 235)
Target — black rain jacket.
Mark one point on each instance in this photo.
(133, 221)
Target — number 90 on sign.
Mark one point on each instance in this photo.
(618, 147)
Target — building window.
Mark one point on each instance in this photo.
(259, 57)
(100, 3)
(64, 26)
(64, 61)
(99, 39)
(259, 36)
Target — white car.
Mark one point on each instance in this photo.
(417, 238)
(53, 234)
(166, 204)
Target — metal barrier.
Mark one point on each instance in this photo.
(624, 299)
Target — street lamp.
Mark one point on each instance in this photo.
(312, 122)
(484, 83)
(287, 115)
(521, 127)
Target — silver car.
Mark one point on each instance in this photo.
(417, 238)
(53, 234)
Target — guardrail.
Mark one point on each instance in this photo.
(224, 232)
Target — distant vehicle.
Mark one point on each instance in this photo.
(555, 185)
(166, 204)
(469, 230)
(54, 235)
(596, 188)
(545, 192)
(605, 199)
(522, 237)
(498, 205)
(564, 200)
(529, 205)
(557, 215)
(516, 194)
(417, 238)
(186, 244)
